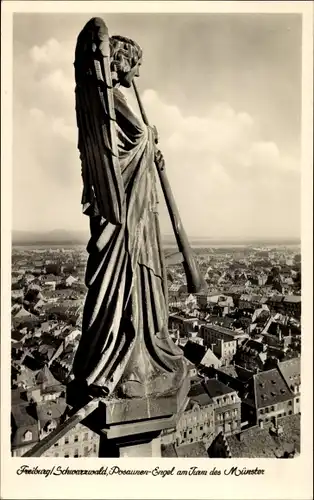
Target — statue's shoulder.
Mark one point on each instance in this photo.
(123, 109)
(120, 102)
(119, 96)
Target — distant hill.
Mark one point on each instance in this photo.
(60, 236)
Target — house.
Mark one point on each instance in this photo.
(50, 415)
(219, 448)
(18, 336)
(275, 303)
(232, 376)
(22, 313)
(32, 422)
(17, 294)
(291, 372)
(225, 350)
(292, 305)
(251, 355)
(28, 278)
(194, 352)
(227, 406)
(47, 382)
(23, 377)
(276, 334)
(216, 298)
(24, 425)
(261, 312)
(70, 280)
(190, 302)
(183, 324)
(78, 442)
(69, 334)
(62, 365)
(197, 423)
(210, 360)
(272, 396)
(214, 333)
(251, 302)
(257, 442)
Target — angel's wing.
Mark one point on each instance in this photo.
(96, 122)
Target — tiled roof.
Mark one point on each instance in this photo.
(192, 450)
(292, 298)
(270, 388)
(201, 400)
(23, 414)
(291, 371)
(51, 410)
(276, 298)
(229, 370)
(17, 336)
(254, 345)
(168, 451)
(259, 443)
(194, 352)
(45, 376)
(216, 388)
(32, 363)
(224, 321)
(196, 389)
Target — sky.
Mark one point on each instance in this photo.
(224, 91)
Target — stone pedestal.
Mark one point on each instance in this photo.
(132, 427)
(150, 449)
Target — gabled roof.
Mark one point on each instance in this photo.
(215, 388)
(192, 450)
(45, 376)
(168, 451)
(200, 400)
(276, 298)
(32, 363)
(51, 410)
(17, 336)
(254, 345)
(24, 314)
(292, 298)
(259, 443)
(23, 415)
(270, 388)
(209, 359)
(194, 352)
(291, 371)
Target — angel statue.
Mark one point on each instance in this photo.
(125, 344)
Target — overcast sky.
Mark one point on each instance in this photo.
(224, 92)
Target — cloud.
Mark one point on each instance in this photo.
(52, 53)
(58, 82)
(226, 178)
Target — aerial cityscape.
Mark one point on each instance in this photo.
(242, 339)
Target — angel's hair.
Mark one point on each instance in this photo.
(124, 54)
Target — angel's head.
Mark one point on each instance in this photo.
(126, 59)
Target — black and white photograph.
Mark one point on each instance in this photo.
(157, 276)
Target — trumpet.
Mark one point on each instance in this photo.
(185, 254)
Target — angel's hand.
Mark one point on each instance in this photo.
(159, 159)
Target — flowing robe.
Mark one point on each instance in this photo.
(125, 338)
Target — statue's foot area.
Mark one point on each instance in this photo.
(161, 384)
